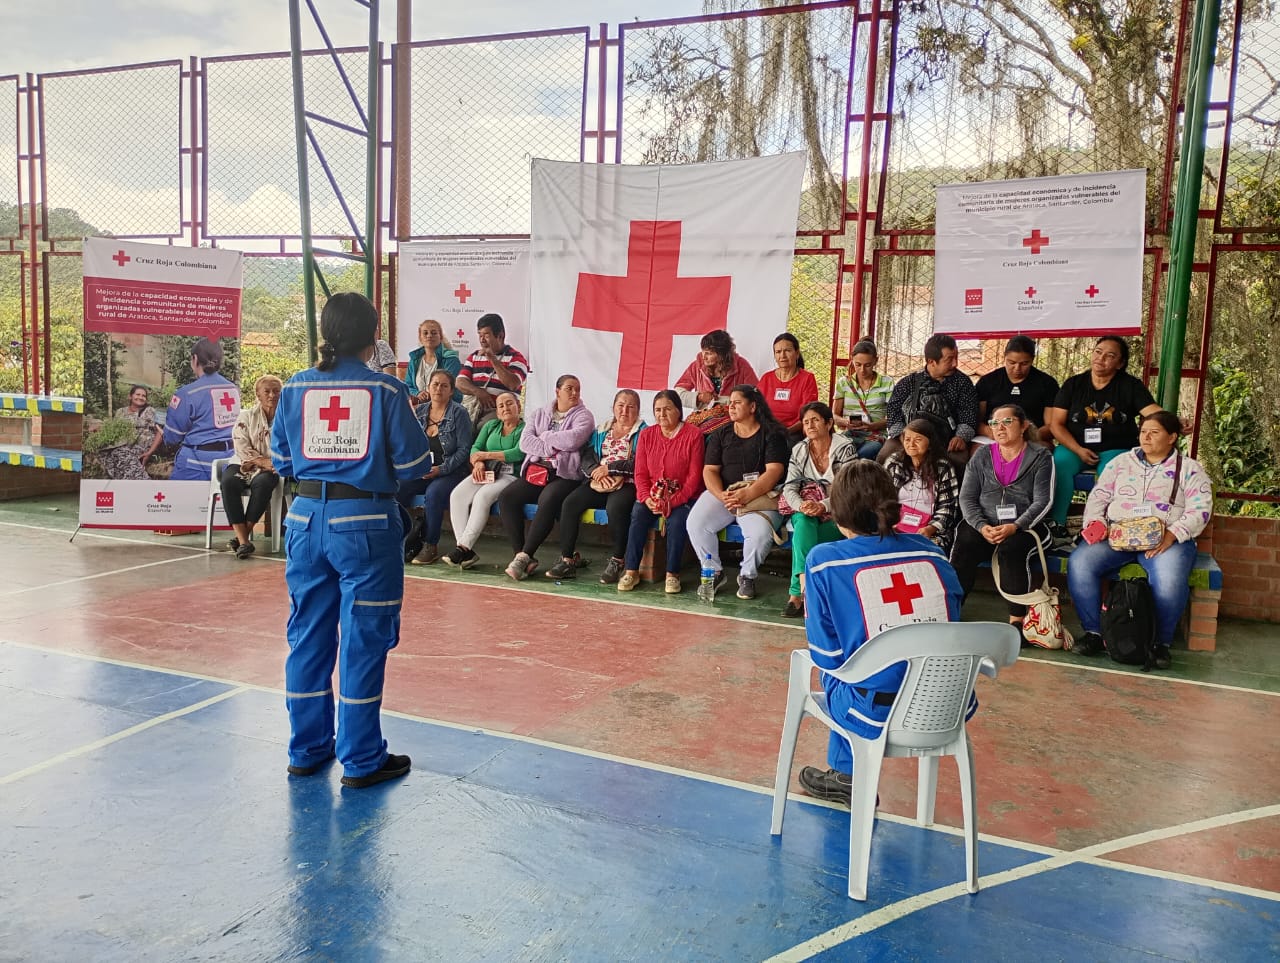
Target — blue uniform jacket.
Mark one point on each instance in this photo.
(348, 425)
(203, 412)
(858, 587)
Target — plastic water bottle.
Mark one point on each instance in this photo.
(707, 584)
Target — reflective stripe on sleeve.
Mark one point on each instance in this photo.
(417, 461)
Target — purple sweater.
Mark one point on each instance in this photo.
(559, 445)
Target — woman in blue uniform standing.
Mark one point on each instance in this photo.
(201, 415)
(348, 435)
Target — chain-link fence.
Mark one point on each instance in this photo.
(916, 94)
(250, 177)
(112, 142)
(481, 111)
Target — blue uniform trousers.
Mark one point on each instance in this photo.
(345, 575)
(192, 464)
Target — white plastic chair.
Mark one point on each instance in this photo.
(927, 720)
(275, 511)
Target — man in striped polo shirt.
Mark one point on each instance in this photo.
(492, 369)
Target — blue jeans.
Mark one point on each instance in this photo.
(1066, 464)
(435, 492)
(1089, 565)
(642, 523)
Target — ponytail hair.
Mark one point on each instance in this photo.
(864, 500)
(1028, 432)
(764, 414)
(208, 355)
(348, 325)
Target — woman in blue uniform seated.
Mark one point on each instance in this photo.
(202, 415)
(873, 579)
(348, 435)
(448, 429)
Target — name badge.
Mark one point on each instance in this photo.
(1006, 513)
(782, 394)
(1015, 390)
(1143, 509)
(912, 518)
(750, 476)
(488, 478)
(1093, 436)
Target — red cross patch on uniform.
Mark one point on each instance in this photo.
(226, 405)
(335, 423)
(900, 592)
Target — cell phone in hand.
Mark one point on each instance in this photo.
(1094, 532)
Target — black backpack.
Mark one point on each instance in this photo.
(1129, 623)
(928, 402)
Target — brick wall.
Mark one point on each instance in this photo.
(54, 429)
(17, 481)
(1248, 549)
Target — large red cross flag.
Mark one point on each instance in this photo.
(632, 265)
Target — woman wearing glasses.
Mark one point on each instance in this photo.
(1004, 504)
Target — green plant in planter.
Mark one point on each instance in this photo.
(112, 433)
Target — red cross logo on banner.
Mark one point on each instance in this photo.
(1036, 241)
(160, 496)
(335, 414)
(651, 304)
(121, 258)
(228, 400)
(461, 333)
(462, 293)
(902, 593)
(1030, 292)
(1092, 291)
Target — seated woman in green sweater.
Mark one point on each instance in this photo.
(495, 458)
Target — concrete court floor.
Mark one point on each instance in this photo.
(1169, 774)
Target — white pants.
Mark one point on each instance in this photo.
(709, 517)
(469, 506)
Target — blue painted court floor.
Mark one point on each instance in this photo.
(146, 815)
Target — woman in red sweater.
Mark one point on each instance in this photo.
(788, 388)
(668, 481)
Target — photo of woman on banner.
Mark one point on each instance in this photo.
(202, 415)
(128, 461)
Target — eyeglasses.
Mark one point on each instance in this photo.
(1001, 421)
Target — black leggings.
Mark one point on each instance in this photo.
(259, 487)
(617, 504)
(1017, 554)
(550, 497)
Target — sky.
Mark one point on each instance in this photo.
(71, 34)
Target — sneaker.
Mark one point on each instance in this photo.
(720, 582)
(233, 544)
(1088, 644)
(794, 610)
(393, 768)
(673, 586)
(565, 568)
(628, 581)
(518, 568)
(746, 587)
(1163, 661)
(426, 555)
(311, 770)
(245, 550)
(612, 571)
(460, 558)
(832, 785)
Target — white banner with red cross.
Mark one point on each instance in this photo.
(136, 288)
(632, 265)
(455, 282)
(1043, 256)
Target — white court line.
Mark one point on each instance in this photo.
(89, 578)
(91, 533)
(116, 737)
(1056, 858)
(635, 603)
(1088, 854)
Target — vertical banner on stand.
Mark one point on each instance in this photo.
(161, 372)
(632, 265)
(455, 282)
(1041, 256)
